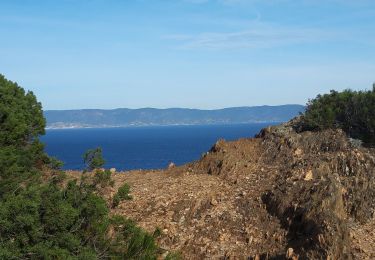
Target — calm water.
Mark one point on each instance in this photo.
(141, 147)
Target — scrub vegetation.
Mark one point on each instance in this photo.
(51, 217)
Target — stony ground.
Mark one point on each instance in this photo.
(203, 215)
(363, 240)
(281, 195)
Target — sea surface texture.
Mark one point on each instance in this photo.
(142, 147)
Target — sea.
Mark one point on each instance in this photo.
(149, 147)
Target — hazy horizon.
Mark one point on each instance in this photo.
(165, 108)
(204, 54)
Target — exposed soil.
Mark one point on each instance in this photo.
(280, 195)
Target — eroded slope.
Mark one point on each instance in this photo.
(260, 197)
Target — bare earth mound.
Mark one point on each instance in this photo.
(280, 195)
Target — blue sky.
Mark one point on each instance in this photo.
(186, 53)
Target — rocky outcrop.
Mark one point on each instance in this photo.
(283, 194)
(323, 182)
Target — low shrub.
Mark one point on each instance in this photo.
(122, 194)
(103, 178)
(352, 111)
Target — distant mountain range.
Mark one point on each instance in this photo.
(124, 117)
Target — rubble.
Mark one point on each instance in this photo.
(283, 194)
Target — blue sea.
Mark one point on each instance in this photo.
(141, 147)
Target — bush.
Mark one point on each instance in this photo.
(54, 164)
(122, 194)
(42, 219)
(174, 256)
(131, 242)
(103, 179)
(116, 201)
(93, 159)
(352, 111)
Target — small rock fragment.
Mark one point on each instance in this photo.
(171, 165)
(214, 202)
(309, 176)
(298, 152)
(289, 253)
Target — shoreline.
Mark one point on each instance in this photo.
(159, 125)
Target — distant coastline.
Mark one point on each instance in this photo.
(149, 117)
(152, 125)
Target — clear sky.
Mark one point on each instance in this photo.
(186, 53)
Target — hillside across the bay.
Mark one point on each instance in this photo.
(124, 117)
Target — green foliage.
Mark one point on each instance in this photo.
(93, 159)
(49, 222)
(21, 122)
(54, 164)
(174, 256)
(45, 219)
(116, 201)
(352, 111)
(21, 117)
(131, 242)
(122, 194)
(103, 179)
(157, 232)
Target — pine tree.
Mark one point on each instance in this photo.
(44, 219)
